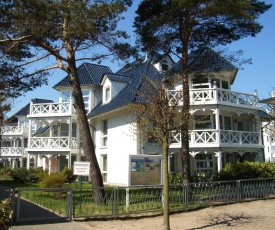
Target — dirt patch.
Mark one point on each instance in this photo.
(247, 215)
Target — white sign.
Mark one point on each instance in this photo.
(81, 168)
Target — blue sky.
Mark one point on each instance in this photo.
(259, 75)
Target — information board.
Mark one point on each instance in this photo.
(82, 168)
(145, 171)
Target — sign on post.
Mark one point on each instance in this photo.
(81, 168)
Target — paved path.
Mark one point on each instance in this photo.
(39, 223)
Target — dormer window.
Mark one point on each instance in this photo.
(107, 94)
(164, 65)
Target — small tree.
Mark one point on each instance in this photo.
(158, 119)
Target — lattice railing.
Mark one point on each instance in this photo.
(52, 142)
(51, 108)
(240, 137)
(8, 130)
(213, 95)
(10, 151)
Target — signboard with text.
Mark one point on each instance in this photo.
(81, 168)
(145, 170)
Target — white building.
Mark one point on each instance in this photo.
(226, 127)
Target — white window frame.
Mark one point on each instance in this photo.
(104, 134)
(86, 94)
(204, 162)
(104, 167)
(107, 94)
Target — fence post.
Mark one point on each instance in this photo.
(12, 197)
(238, 187)
(115, 202)
(185, 195)
(127, 199)
(69, 205)
(18, 204)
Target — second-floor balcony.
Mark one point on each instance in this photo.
(53, 143)
(11, 151)
(214, 96)
(51, 109)
(206, 138)
(14, 130)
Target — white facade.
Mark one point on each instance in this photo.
(225, 128)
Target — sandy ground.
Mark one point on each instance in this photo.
(249, 215)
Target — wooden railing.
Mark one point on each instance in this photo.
(213, 95)
(10, 151)
(197, 137)
(52, 142)
(12, 130)
(51, 109)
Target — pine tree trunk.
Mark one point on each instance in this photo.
(88, 144)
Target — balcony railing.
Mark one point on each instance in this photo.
(13, 130)
(52, 142)
(51, 109)
(11, 151)
(203, 137)
(213, 95)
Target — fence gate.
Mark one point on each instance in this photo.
(32, 204)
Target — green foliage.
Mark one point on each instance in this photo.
(54, 180)
(5, 213)
(20, 175)
(5, 171)
(24, 175)
(247, 170)
(175, 178)
(69, 175)
(198, 177)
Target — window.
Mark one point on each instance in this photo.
(227, 123)
(204, 163)
(64, 129)
(164, 65)
(104, 133)
(107, 94)
(172, 163)
(202, 122)
(104, 167)
(86, 99)
(66, 96)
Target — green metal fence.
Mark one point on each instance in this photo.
(120, 201)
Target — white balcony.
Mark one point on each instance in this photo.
(214, 96)
(53, 143)
(11, 151)
(51, 109)
(13, 130)
(200, 138)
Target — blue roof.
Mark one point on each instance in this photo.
(129, 93)
(204, 61)
(89, 74)
(118, 77)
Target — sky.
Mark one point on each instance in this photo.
(260, 75)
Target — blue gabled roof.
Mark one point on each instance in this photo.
(89, 74)
(129, 94)
(204, 61)
(118, 77)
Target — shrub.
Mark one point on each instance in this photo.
(5, 171)
(247, 170)
(175, 178)
(5, 213)
(69, 175)
(54, 180)
(198, 177)
(35, 175)
(20, 175)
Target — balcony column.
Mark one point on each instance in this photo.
(28, 161)
(49, 156)
(219, 159)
